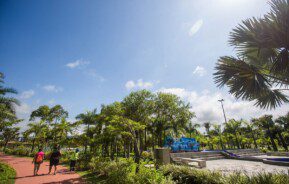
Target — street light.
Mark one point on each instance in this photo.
(221, 101)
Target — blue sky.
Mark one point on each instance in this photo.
(81, 54)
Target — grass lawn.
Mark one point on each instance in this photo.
(7, 174)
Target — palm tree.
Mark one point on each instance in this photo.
(88, 118)
(192, 128)
(262, 61)
(233, 127)
(207, 126)
(37, 132)
(266, 123)
(218, 132)
(8, 134)
(7, 104)
(251, 128)
(62, 131)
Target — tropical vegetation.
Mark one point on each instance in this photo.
(117, 141)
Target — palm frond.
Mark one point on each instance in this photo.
(271, 99)
(247, 82)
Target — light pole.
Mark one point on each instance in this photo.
(223, 109)
(221, 101)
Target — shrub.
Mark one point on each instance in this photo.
(21, 150)
(83, 162)
(147, 155)
(183, 174)
(119, 172)
(150, 176)
(7, 173)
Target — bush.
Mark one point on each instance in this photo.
(7, 173)
(97, 164)
(83, 162)
(183, 174)
(146, 155)
(150, 176)
(21, 151)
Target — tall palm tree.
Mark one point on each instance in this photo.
(262, 61)
(88, 118)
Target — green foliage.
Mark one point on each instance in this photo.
(84, 161)
(123, 171)
(149, 176)
(7, 174)
(20, 150)
(262, 62)
(184, 174)
(146, 155)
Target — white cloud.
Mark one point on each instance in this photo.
(139, 84)
(23, 109)
(196, 27)
(92, 73)
(208, 108)
(27, 94)
(129, 85)
(77, 63)
(51, 102)
(199, 70)
(52, 88)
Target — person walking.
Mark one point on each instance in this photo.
(37, 161)
(54, 160)
(73, 159)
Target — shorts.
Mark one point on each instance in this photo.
(54, 162)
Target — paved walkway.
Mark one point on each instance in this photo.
(24, 169)
(227, 166)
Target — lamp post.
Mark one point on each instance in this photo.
(221, 141)
(221, 101)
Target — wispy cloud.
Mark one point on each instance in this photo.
(196, 27)
(51, 102)
(23, 109)
(76, 64)
(200, 71)
(52, 88)
(93, 73)
(27, 94)
(140, 84)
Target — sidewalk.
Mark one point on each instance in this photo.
(24, 169)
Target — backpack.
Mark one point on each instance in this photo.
(39, 158)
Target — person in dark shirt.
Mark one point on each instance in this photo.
(54, 160)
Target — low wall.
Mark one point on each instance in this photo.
(286, 154)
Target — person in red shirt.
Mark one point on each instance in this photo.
(37, 161)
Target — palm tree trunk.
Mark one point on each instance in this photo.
(5, 145)
(237, 141)
(254, 139)
(145, 139)
(33, 144)
(282, 141)
(272, 141)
